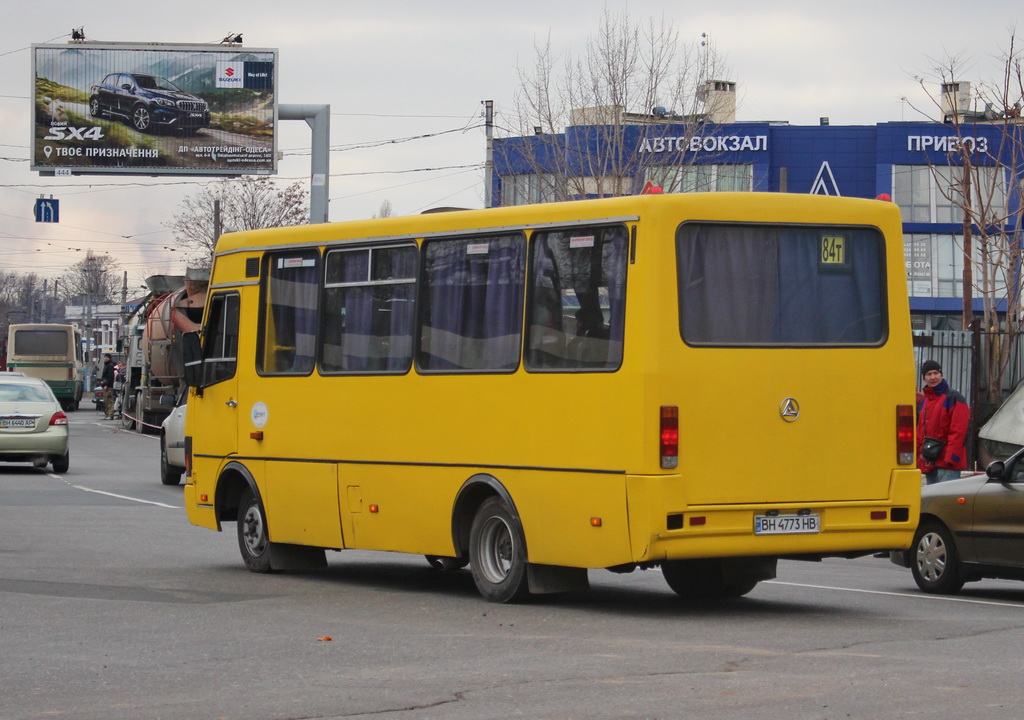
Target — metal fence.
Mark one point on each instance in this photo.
(953, 349)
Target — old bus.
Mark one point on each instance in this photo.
(700, 382)
(52, 352)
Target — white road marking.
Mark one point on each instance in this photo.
(115, 495)
(921, 596)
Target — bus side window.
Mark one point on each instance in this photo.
(289, 320)
(220, 344)
(369, 310)
(471, 304)
(576, 305)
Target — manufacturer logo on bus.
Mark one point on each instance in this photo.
(789, 409)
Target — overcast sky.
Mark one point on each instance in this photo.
(402, 69)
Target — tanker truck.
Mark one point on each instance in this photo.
(153, 362)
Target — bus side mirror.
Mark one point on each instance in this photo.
(192, 354)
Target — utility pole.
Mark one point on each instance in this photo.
(968, 277)
(489, 162)
(318, 117)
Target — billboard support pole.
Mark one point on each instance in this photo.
(318, 117)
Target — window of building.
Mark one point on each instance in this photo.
(935, 194)
(369, 309)
(576, 305)
(702, 178)
(529, 188)
(289, 313)
(471, 304)
(935, 264)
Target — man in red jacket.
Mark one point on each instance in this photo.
(943, 416)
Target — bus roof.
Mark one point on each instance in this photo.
(712, 206)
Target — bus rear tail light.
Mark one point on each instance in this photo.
(669, 437)
(905, 434)
(59, 418)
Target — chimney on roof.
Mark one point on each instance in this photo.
(956, 98)
(719, 98)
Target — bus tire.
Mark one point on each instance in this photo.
(497, 553)
(702, 580)
(253, 541)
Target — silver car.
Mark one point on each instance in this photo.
(172, 443)
(33, 426)
(970, 529)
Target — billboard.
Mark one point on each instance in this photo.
(153, 109)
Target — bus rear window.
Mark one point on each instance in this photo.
(40, 342)
(781, 285)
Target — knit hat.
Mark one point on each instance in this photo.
(928, 365)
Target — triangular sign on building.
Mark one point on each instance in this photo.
(825, 183)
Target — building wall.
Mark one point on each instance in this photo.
(853, 161)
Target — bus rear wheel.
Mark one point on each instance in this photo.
(497, 553)
(702, 580)
(252, 533)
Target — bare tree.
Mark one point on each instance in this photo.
(95, 280)
(385, 211)
(633, 86)
(25, 298)
(980, 175)
(247, 203)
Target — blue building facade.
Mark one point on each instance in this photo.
(915, 164)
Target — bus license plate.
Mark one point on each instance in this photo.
(17, 423)
(786, 524)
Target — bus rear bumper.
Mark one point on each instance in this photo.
(807, 530)
(843, 531)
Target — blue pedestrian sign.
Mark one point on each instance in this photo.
(47, 210)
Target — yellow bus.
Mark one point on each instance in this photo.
(50, 352)
(700, 382)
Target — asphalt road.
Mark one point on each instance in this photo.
(113, 606)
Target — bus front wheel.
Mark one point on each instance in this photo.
(252, 533)
(497, 553)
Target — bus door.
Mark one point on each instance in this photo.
(217, 421)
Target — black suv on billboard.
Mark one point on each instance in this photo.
(148, 101)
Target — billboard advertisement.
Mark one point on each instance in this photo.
(153, 109)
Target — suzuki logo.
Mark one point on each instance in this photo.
(230, 72)
(789, 409)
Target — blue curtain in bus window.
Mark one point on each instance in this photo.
(769, 285)
(369, 313)
(396, 303)
(293, 287)
(347, 312)
(837, 303)
(472, 304)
